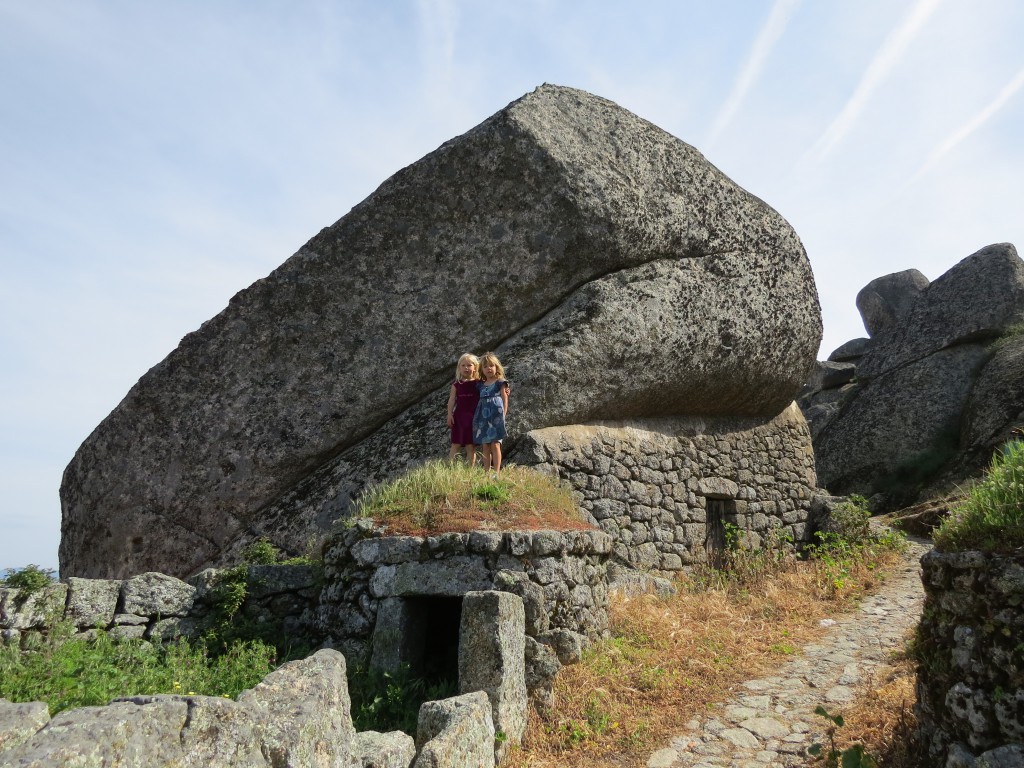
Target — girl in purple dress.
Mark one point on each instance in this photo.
(462, 401)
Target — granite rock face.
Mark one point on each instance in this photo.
(884, 302)
(492, 641)
(455, 733)
(298, 717)
(995, 407)
(970, 685)
(617, 272)
(935, 389)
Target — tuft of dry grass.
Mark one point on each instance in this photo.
(883, 718)
(669, 659)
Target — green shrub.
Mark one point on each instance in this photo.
(78, 672)
(29, 579)
(389, 701)
(991, 518)
(261, 552)
(230, 589)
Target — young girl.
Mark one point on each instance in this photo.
(462, 401)
(489, 420)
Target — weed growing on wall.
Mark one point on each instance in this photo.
(991, 518)
(389, 701)
(29, 579)
(230, 590)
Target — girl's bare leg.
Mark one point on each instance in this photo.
(487, 456)
(454, 452)
(471, 454)
(496, 457)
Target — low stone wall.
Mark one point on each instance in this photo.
(374, 585)
(155, 606)
(970, 647)
(300, 715)
(664, 489)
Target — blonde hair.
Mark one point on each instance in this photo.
(490, 357)
(476, 367)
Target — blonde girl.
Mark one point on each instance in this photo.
(462, 401)
(489, 419)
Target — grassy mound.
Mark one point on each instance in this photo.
(444, 496)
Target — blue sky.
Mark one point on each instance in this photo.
(158, 157)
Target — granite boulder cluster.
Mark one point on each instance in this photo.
(934, 390)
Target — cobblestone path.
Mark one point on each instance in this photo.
(771, 723)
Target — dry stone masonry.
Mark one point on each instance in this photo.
(399, 599)
(154, 606)
(666, 489)
(970, 691)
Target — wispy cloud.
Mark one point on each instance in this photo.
(878, 70)
(438, 25)
(972, 125)
(768, 35)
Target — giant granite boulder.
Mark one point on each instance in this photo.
(937, 387)
(616, 271)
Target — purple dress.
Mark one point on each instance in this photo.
(467, 395)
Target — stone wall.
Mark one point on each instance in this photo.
(155, 606)
(375, 587)
(664, 489)
(970, 648)
(299, 715)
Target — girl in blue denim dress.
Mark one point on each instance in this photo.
(489, 419)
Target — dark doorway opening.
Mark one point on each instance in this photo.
(715, 540)
(434, 638)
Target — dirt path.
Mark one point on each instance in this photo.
(771, 722)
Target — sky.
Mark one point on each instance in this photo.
(158, 157)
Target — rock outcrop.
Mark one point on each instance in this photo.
(300, 715)
(934, 390)
(617, 272)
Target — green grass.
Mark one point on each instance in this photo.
(991, 518)
(78, 672)
(67, 672)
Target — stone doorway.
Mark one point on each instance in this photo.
(719, 510)
(421, 631)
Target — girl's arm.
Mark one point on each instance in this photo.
(451, 407)
(504, 397)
